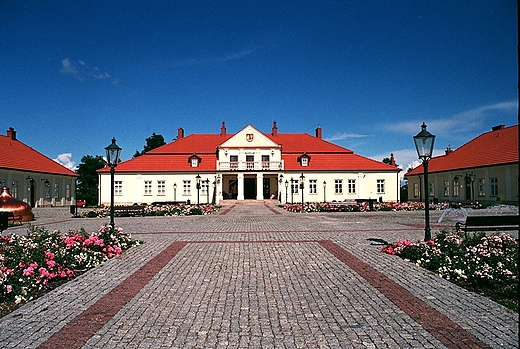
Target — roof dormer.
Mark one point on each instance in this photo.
(304, 160)
(194, 160)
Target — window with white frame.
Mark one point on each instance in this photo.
(161, 187)
(147, 187)
(431, 187)
(380, 186)
(455, 187)
(351, 186)
(313, 184)
(446, 188)
(481, 187)
(416, 191)
(118, 188)
(494, 186)
(204, 186)
(56, 191)
(338, 186)
(14, 189)
(305, 161)
(295, 185)
(67, 191)
(194, 162)
(233, 159)
(186, 187)
(265, 162)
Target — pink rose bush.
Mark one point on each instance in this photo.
(359, 207)
(157, 210)
(29, 262)
(479, 260)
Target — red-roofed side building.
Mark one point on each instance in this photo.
(32, 177)
(250, 165)
(485, 170)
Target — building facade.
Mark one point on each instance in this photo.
(32, 177)
(483, 170)
(249, 165)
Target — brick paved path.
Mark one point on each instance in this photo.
(258, 277)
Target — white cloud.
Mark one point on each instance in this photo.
(341, 136)
(232, 56)
(405, 159)
(65, 160)
(464, 121)
(82, 71)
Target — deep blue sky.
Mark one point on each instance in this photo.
(74, 74)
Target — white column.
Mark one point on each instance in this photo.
(240, 185)
(260, 186)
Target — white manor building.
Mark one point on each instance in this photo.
(249, 165)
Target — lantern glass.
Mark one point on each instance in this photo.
(113, 152)
(424, 143)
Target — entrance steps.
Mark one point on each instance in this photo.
(249, 202)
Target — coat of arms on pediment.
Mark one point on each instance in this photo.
(250, 137)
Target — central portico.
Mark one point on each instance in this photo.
(250, 165)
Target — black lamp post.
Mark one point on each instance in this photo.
(197, 179)
(324, 191)
(175, 192)
(472, 179)
(280, 181)
(302, 185)
(207, 190)
(292, 191)
(286, 189)
(214, 192)
(113, 152)
(424, 144)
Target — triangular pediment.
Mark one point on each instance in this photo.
(249, 137)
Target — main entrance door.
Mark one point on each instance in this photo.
(267, 188)
(250, 188)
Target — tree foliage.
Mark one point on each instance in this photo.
(152, 142)
(88, 179)
(388, 161)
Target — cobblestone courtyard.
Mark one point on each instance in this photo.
(255, 276)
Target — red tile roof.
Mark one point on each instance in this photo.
(491, 148)
(323, 155)
(15, 155)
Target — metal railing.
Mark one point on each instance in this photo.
(250, 166)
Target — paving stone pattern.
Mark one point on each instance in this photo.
(255, 276)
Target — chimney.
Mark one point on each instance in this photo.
(319, 132)
(448, 150)
(392, 160)
(180, 133)
(275, 129)
(499, 127)
(223, 129)
(11, 133)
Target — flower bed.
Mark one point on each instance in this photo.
(486, 264)
(31, 262)
(360, 207)
(158, 210)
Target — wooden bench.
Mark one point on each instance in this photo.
(464, 203)
(9, 219)
(12, 219)
(342, 203)
(488, 223)
(126, 211)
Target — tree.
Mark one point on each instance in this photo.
(152, 142)
(88, 179)
(388, 161)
